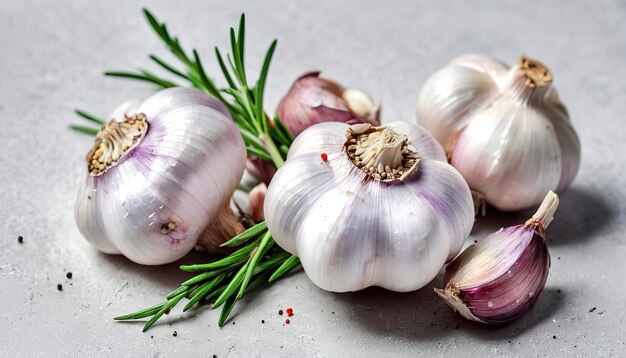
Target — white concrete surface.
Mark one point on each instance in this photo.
(52, 55)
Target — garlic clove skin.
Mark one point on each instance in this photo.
(256, 197)
(262, 170)
(154, 202)
(498, 279)
(449, 97)
(491, 66)
(351, 231)
(313, 99)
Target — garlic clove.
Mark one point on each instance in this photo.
(313, 99)
(442, 116)
(361, 104)
(255, 202)
(499, 278)
(261, 169)
(485, 64)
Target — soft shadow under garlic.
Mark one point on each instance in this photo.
(552, 300)
(167, 276)
(417, 315)
(582, 214)
(421, 315)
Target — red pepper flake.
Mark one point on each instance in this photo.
(324, 156)
(287, 321)
(280, 312)
(289, 311)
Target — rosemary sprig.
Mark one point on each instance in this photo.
(257, 260)
(223, 282)
(265, 139)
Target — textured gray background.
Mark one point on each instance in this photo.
(52, 56)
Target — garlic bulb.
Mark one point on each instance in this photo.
(313, 99)
(158, 175)
(505, 130)
(498, 279)
(368, 206)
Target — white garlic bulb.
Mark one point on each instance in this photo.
(505, 130)
(369, 206)
(159, 174)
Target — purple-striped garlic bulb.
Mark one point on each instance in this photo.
(504, 129)
(313, 99)
(369, 206)
(160, 176)
(499, 278)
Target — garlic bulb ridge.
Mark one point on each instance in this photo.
(505, 130)
(158, 175)
(368, 206)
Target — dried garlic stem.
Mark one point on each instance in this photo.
(113, 141)
(221, 229)
(544, 215)
(381, 152)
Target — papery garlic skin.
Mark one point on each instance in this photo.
(256, 198)
(313, 99)
(506, 131)
(498, 279)
(160, 196)
(351, 231)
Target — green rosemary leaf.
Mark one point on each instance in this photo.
(258, 153)
(239, 70)
(156, 26)
(156, 79)
(258, 280)
(171, 303)
(232, 286)
(274, 260)
(142, 77)
(251, 139)
(218, 291)
(242, 123)
(260, 86)
(230, 260)
(83, 129)
(220, 61)
(241, 40)
(143, 313)
(180, 289)
(89, 117)
(285, 268)
(168, 67)
(248, 234)
(202, 291)
(228, 307)
(203, 276)
(279, 137)
(281, 126)
(172, 43)
(265, 244)
(209, 86)
(284, 150)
